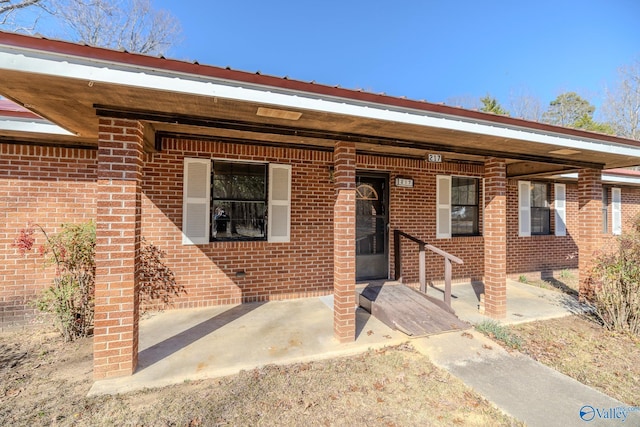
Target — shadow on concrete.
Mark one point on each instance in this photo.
(167, 347)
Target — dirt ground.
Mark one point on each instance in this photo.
(45, 382)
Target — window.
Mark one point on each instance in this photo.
(457, 206)
(534, 211)
(464, 206)
(230, 201)
(239, 201)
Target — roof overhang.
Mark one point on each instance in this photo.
(72, 85)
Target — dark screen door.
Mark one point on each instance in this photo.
(372, 261)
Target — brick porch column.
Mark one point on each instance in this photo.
(344, 242)
(120, 151)
(495, 238)
(590, 225)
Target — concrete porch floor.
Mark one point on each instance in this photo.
(190, 344)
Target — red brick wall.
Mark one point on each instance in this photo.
(536, 256)
(412, 210)
(48, 186)
(303, 267)
(56, 185)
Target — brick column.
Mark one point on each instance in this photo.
(344, 242)
(590, 225)
(495, 238)
(120, 151)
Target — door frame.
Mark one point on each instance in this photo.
(386, 205)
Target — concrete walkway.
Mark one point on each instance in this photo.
(181, 345)
(521, 387)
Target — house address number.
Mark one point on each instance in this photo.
(437, 158)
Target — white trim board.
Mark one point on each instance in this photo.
(67, 66)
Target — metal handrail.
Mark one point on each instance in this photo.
(422, 265)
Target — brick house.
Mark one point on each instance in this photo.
(264, 188)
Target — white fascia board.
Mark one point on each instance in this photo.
(31, 61)
(610, 179)
(28, 125)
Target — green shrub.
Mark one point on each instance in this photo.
(70, 298)
(494, 330)
(616, 276)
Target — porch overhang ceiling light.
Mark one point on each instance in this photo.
(278, 114)
(565, 152)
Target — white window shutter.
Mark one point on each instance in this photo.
(560, 204)
(196, 202)
(279, 213)
(524, 208)
(616, 211)
(443, 207)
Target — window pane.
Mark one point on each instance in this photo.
(464, 220)
(540, 223)
(464, 191)
(539, 197)
(238, 220)
(238, 181)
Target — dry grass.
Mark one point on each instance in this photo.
(566, 282)
(582, 349)
(44, 383)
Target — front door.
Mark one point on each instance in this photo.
(372, 260)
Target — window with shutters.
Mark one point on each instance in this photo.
(458, 209)
(464, 206)
(235, 201)
(534, 208)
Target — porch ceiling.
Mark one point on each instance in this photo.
(75, 103)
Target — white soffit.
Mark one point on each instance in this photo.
(30, 125)
(91, 70)
(607, 178)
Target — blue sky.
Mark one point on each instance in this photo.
(439, 51)
(449, 51)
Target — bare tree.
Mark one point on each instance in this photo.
(9, 7)
(621, 106)
(133, 25)
(526, 106)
